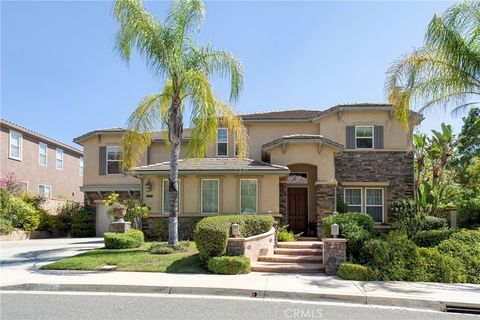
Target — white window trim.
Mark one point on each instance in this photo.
(81, 166)
(376, 205)
(240, 196)
(373, 137)
(218, 196)
(225, 155)
(48, 186)
(106, 162)
(361, 197)
(40, 144)
(163, 196)
(20, 146)
(56, 152)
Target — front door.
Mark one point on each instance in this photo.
(297, 209)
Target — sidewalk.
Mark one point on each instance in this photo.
(311, 287)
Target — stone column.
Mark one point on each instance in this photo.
(325, 192)
(119, 227)
(283, 201)
(334, 253)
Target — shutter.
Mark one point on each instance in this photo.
(378, 137)
(350, 137)
(102, 161)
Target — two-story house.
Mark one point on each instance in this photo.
(46, 166)
(299, 163)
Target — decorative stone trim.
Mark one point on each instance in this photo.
(119, 227)
(17, 235)
(283, 201)
(325, 204)
(252, 247)
(334, 253)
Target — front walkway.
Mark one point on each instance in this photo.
(312, 287)
(32, 254)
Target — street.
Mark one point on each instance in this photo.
(32, 254)
(105, 306)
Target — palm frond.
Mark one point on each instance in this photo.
(184, 20)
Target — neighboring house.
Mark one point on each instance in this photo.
(46, 167)
(301, 162)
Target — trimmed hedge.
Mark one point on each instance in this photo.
(83, 224)
(436, 267)
(354, 226)
(468, 215)
(131, 239)
(156, 228)
(229, 265)
(211, 234)
(351, 271)
(432, 238)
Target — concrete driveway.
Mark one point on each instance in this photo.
(32, 254)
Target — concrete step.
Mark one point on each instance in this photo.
(301, 245)
(308, 239)
(287, 267)
(291, 259)
(298, 252)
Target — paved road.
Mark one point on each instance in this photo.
(81, 306)
(31, 254)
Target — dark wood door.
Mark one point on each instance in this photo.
(297, 209)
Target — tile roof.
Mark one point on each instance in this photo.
(40, 136)
(295, 114)
(302, 138)
(232, 165)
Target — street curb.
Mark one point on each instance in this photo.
(364, 299)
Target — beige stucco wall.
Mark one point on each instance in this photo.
(395, 136)
(229, 193)
(307, 154)
(65, 183)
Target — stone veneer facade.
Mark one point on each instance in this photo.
(325, 203)
(394, 168)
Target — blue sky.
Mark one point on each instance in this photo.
(61, 76)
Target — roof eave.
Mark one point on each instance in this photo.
(212, 171)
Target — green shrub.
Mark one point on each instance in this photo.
(183, 246)
(5, 225)
(434, 223)
(431, 238)
(351, 271)
(468, 215)
(137, 235)
(342, 206)
(354, 226)
(436, 267)
(229, 265)
(158, 228)
(284, 235)
(160, 248)
(31, 222)
(465, 247)
(404, 209)
(18, 211)
(394, 257)
(83, 224)
(119, 241)
(211, 234)
(48, 222)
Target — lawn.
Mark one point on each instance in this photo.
(138, 259)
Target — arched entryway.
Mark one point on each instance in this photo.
(301, 199)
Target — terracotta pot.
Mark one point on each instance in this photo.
(119, 213)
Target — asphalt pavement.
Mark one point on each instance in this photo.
(106, 306)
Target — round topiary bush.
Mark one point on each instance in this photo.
(432, 238)
(351, 271)
(229, 265)
(131, 239)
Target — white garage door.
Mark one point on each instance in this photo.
(103, 220)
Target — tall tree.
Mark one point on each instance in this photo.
(184, 68)
(445, 71)
(468, 144)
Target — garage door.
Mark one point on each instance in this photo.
(103, 220)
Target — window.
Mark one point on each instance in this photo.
(42, 153)
(15, 151)
(209, 196)
(44, 190)
(248, 195)
(222, 142)
(166, 197)
(59, 159)
(353, 197)
(113, 160)
(81, 166)
(374, 203)
(364, 137)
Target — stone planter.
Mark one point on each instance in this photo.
(119, 213)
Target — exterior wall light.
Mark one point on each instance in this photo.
(335, 230)
(148, 186)
(235, 230)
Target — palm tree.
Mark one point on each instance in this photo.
(184, 69)
(445, 71)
